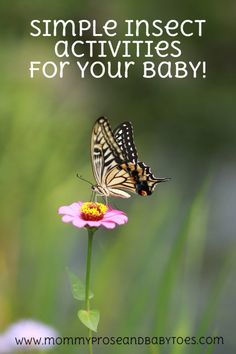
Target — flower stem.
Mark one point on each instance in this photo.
(88, 270)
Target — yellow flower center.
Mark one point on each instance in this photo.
(93, 211)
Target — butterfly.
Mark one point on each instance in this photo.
(115, 163)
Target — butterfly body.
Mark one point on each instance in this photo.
(116, 167)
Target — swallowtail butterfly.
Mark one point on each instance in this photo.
(116, 167)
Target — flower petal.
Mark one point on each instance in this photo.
(94, 223)
(78, 222)
(113, 212)
(118, 218)
(72, 209)
(76, 206)
(108, 224)
(67, 218)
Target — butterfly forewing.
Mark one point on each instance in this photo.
(104, 149)
(106, 158)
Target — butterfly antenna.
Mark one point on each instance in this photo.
(83, 179)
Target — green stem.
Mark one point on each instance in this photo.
(88, 271)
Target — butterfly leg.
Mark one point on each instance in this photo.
(93, 196)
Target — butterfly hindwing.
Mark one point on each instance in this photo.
(143, 179)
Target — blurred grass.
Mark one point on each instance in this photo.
(149, 272)
(146, 275)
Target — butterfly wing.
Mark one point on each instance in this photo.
(102, 151)
(116, 167)
(124, 137)
(143, 178)
(118, 180)
(106, 158)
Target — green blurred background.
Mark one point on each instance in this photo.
(170, 270)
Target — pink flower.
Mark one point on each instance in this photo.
(91, 214)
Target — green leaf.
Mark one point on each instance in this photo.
(89, 318)
(77, 287)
